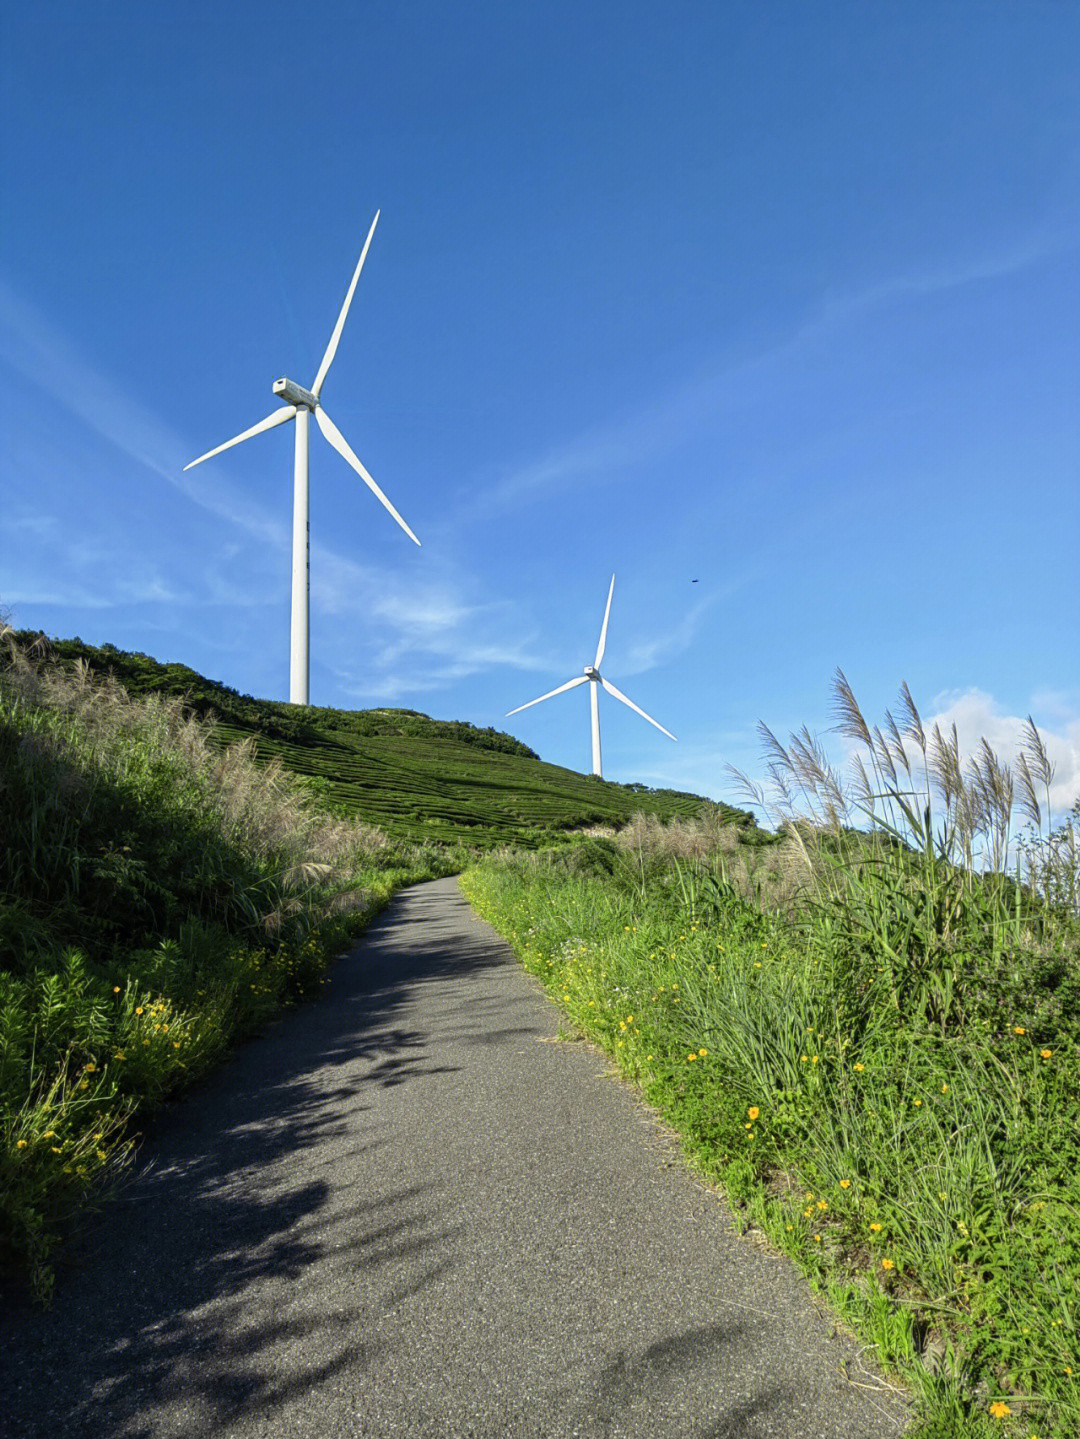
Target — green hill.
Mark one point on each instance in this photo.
(414, 776)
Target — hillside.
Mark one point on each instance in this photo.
(416, 777)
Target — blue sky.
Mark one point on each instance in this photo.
(780, 298)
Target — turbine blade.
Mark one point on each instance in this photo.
(620, 696)
(569, 685)
(341, 444)
(331, 349)
(277, 418)
(603, 632)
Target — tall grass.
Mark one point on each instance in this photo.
(159, 898)
(879, 1061)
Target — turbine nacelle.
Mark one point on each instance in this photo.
(294, 394)
(591, 672)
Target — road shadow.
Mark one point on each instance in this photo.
(155, 1305)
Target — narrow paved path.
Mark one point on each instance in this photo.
(405, 1211)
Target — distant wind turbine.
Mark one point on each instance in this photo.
(299, 404)
(594, 679)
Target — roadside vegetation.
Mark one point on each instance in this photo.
(161, 897)
(868, 1033)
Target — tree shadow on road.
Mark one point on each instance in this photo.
(191, 1293)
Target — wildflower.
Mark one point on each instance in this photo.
(21, 1144)
(944, 1089)
(807, 1212)
(1046, 1053)
(690, 1058)
(859, 1068)
(566, 996)
(119, 1054)
(875, 1229)
(999, 1409)
(845, 1184)
(138, 1009)
(49, 1134)
(917, 1103)
(813, 1059)
(702, 1053)
(803, 1057)
(116, 989)
(817, 1238)
(176, 1044)
(89, 1068)
(823, 1204)
(753, 1111)
(1018, 1030)
(887, 1264)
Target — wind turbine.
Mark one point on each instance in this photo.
(593, 678)
(299, 405)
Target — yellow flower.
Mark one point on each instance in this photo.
(753, 1111)
(49, 1134)
(817, 1238)
(813, 1059)
(116, 989)
(999, 1409)
(859, 1068)
(917, 1103)
(875, 1229)
(21, 1144)
(1046, 1053)
(1018, 1030)
(823, 1204)
(845, 1184)
(887, 1264)
(807, 1212)
(690, 1058)
(138, 1009)
(944, 1089)
(702, 1053)
(803, 1057)
(566, 996)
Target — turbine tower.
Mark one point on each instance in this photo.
(594, 679)
(299, 404)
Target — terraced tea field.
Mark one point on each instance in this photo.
(413, 776)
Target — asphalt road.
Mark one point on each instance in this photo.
(407, 1210)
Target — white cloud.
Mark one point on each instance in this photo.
(977, 716)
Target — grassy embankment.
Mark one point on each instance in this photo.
(160, 898)
(871, 1047)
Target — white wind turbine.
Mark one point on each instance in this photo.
(299, 404)
(594, 679)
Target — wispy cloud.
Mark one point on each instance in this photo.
(658, 425)
(39, 352)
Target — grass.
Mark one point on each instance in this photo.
(161, 897)
(873, 1047)
(416, 778)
